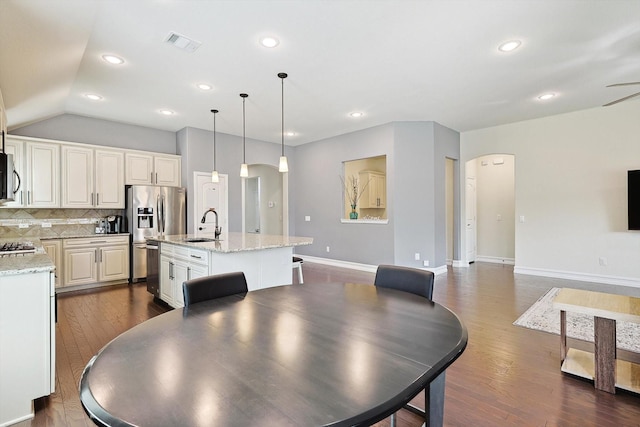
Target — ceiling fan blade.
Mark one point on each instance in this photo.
(624, 84)
(622, 99)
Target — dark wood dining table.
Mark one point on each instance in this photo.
(329, 354)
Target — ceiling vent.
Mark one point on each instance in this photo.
(182, 42)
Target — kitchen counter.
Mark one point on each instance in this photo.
(265, 260)
(235, 242)
(25, 263)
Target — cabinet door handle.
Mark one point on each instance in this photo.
(188, 273)
(96, 257)
(196, 256)
(97, 199)
(171, 271)
(99, 241)
(28, 197)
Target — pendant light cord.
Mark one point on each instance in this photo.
(214, 139)
(282, 77)
(244, 97)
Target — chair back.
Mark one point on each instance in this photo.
(211, 287)
(419, 282)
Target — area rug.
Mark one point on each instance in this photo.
(541, 316)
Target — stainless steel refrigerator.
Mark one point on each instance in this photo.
(152, 211)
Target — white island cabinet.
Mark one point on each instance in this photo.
(27, 334)
(265, 260)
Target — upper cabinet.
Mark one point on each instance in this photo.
(92, 178)
(42, 177)
(374, 194)
(37, 165)
(152, 169)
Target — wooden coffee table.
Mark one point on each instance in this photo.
(602, 367)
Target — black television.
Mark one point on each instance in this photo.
(633, 197)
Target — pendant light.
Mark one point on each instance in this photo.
(214, 173)
(244, 169)
(284, 165)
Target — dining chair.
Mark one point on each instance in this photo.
(211, 287)
(297, 263)
(412, 280)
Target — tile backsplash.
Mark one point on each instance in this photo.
(51, 223)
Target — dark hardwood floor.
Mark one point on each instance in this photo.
(508, 376)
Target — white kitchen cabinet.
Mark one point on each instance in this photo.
(53, 247)
(42, 177)
(95, 260)
(92, 178)
(166, 279)
(152, 169)
(177, 265)
(16, 147)
(27, 343)
(375, 193)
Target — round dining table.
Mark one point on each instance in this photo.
(326, 354)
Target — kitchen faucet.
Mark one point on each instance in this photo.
(218, 230)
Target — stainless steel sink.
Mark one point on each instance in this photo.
(200, 240)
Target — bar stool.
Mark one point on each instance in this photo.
(297, 263)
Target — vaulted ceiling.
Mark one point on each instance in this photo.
(391, 60)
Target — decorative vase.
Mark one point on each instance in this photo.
(353, 214)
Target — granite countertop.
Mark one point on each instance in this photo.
(25, 263)
(235, 242)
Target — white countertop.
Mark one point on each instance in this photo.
(25, 263)
(236, 242)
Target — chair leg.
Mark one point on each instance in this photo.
(393, 420)
(300, 278)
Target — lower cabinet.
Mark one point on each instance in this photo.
(95, 260)
(53, 248)
(177, 265)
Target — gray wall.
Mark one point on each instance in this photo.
(73, 128)
(196, 148)
(447, 146)
(318, 192)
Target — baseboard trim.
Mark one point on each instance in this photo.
(496, 260)
(341, 264)
(581, 277)
(358, 266)
(459, 263)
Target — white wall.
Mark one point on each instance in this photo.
(570, 186)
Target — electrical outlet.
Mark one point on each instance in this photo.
(46, 225)
(307, 218)
(425, 263)
(416, 256)
(328, 249)
(602, 261)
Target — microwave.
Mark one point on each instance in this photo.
(9, 179)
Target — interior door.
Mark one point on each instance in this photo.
(470, 222)
(207, 195)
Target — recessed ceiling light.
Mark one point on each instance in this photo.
(546, 96)
(269, 41)
(509, 46)
(112, 59)
(167, 112)
(204, 86)
(356, 114)
(290, 133)
(93, 96)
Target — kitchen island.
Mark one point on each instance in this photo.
(266, 260)
(27, 331)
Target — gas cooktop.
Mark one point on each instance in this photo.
(11, 248)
